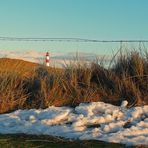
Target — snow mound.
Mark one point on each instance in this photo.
(96, 120)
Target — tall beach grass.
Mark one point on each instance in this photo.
(24, 86)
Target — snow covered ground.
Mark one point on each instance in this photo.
(96, 120)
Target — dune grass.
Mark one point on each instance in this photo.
(25, 85)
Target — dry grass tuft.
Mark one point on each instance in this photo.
(27, 85)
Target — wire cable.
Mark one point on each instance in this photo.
(41, 39)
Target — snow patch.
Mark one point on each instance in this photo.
(95, 120)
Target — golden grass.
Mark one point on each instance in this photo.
(29, 85)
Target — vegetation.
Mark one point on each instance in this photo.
(32, 141)
(35, 141)
(25, 85)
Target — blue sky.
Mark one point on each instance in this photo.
(93, 19)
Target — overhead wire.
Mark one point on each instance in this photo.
(41, 39)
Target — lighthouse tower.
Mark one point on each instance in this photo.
(47, 58)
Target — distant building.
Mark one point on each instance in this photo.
(47, 58)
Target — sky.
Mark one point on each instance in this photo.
(92, 19)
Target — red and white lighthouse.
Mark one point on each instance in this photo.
(47, 58)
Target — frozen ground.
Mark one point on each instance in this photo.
(95, 120)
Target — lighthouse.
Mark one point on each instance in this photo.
(47, 58)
